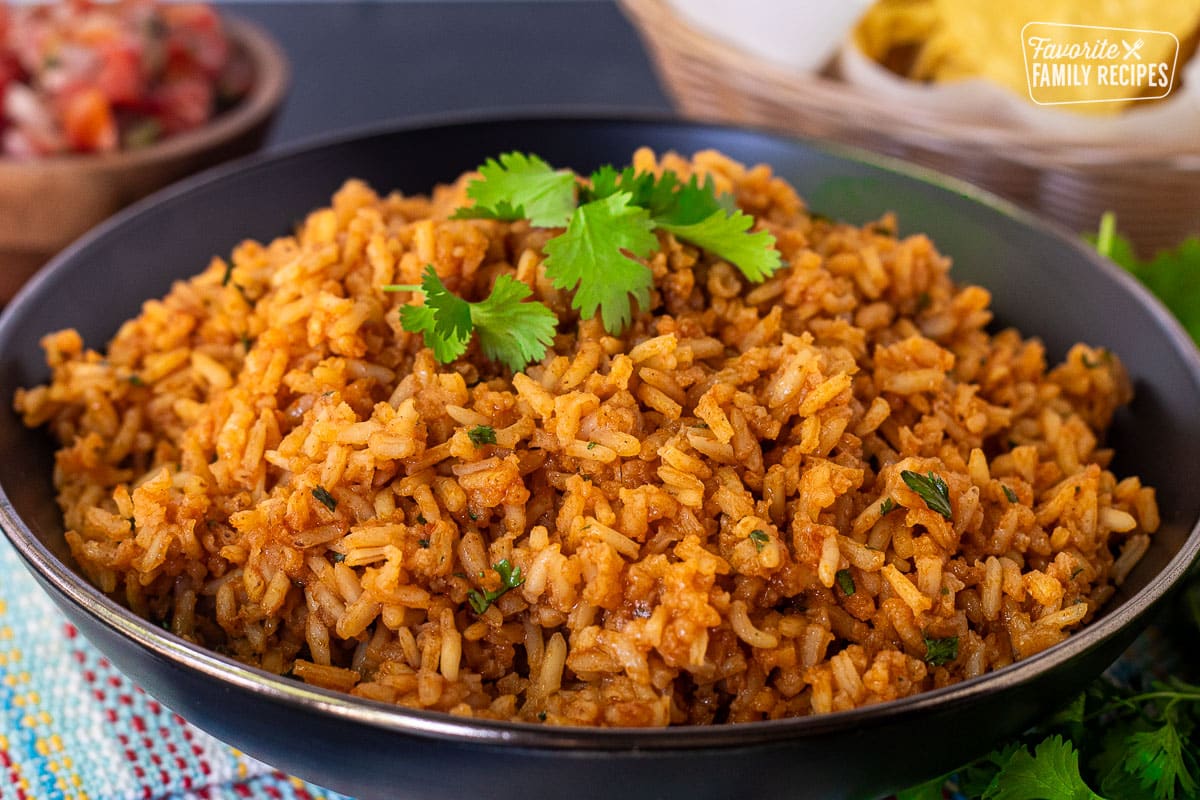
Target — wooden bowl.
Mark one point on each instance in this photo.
(46, 204)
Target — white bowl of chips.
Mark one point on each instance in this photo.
(969, 63)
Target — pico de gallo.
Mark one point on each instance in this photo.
(96, 77)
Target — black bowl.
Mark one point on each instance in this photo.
(1043, 282)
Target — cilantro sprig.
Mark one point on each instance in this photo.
(611, 223)
(510, 330)
(608, 225)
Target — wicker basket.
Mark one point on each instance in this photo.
(1155, 192)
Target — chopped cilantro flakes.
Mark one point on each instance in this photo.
(481, 435)
(510, 578)
(845, 582)
(760, 539)
(325, 498)
(932, 489)
(940, 651)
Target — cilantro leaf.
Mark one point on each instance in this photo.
(421, 319)
(520, 186)
(1112, 752)
(1155, 758)
(1051, 773)
(451, 314)
(694, 202)
(655, 194)
(604, 183)
(590, 258)
(727, 236)
(760, 539)
(974, 779)
(444, 320)
(1070, 718)
(694, 213)
(511, 331)
(1174, 276)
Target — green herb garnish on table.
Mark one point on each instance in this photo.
(1129, 745)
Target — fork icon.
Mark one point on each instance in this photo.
(1132, 49)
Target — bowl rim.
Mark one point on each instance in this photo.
(73, 587)
(272, 77)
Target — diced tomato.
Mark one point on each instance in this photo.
(195, 38)
(120, 76)
(83, 75)
(183, 104)
(10, 71)
(89, 122)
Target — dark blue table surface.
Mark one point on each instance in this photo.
(356, 63)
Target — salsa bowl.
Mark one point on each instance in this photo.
(46, 203)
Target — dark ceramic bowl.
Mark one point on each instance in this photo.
(1044, 282)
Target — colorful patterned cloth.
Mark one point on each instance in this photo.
(74, 728)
